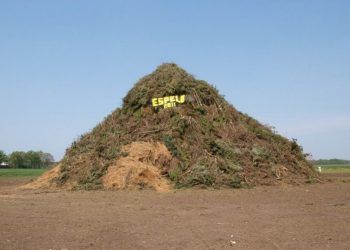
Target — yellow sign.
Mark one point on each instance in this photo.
(168, 101)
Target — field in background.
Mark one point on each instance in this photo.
(336, 168)
(18, 172)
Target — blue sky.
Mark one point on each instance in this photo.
(65, 65)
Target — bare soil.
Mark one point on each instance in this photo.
(315, 216)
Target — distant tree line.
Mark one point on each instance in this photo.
(331, 162)
(30, 159)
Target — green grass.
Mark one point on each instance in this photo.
(17, 172)
(335, 168)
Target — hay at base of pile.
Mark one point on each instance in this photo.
(46, 181)
(140, 168)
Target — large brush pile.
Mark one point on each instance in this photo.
(204, 141)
